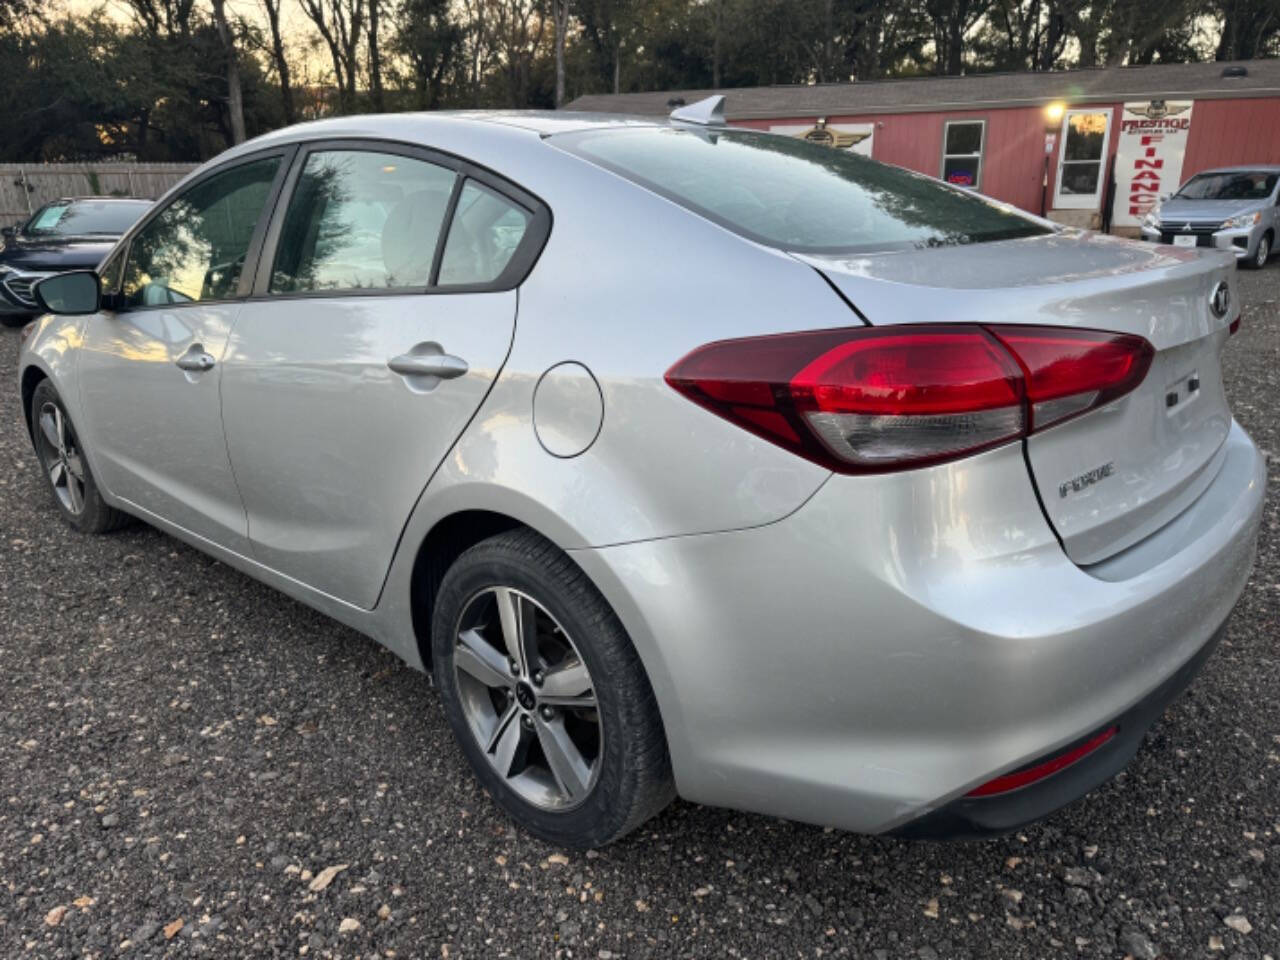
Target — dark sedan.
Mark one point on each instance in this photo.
(68, 234)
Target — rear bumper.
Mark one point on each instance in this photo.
(976, 817)
(900, 640)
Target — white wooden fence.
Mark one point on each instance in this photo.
(25, 186)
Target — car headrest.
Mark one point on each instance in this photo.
(409, 236)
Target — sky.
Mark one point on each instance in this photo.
(294, 23)
(291, 17)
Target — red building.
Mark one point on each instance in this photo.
(1085, 147)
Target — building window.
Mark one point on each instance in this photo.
(962, 142)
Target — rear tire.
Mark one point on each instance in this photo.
(65, 468)
(579, 688)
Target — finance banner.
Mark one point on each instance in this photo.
(1153, 139)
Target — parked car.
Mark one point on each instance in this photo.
(68, 234)
(689, 459)
(1231, 208)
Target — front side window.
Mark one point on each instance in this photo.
(1230, 185)
(962, 142)
(195, 249)
(360, 220)
(485, 232)
(796, 195)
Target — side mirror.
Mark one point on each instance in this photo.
(70, 294)
(9, 232)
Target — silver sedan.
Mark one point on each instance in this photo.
(690, 460)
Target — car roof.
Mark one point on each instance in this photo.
(516, 123)
(1244, 168)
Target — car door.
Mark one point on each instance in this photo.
(383, 310)
(149, 367)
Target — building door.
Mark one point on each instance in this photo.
(1082, 165)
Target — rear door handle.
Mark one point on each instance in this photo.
(196, 361)
(441, 365)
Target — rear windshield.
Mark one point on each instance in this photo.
(84, 218)
(796, 195)
(1232, 185)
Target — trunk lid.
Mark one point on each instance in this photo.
(1111, 477)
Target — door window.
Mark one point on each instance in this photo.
(360, 220)
(195, 249)
(486, 230)
(962, 152)
(1084, 151)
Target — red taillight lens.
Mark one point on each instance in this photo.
(874, 399)
(1071, 371)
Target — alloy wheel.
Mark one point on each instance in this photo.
(528, 698)
(1263, 252)
(60, 454)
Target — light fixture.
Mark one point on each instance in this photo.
(1053, 113)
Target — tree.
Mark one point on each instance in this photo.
(235, 95)
(429, 41)
(1250, 28)
(952, 20)
(281, 62)
(340, 23)
(560, 14)
(375, 59)
(518, 31)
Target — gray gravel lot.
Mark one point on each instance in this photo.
(185, 751)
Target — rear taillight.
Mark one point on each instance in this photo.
(868, 400)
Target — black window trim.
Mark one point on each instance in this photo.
(243, 287)
(517, 269)
(981, 154)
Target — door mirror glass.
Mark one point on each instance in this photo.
(71, 294)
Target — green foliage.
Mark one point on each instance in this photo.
(156, 85)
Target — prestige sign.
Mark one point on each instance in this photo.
(1153, 139)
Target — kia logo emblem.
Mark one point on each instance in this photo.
(1220, 299)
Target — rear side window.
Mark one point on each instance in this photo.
(483, 237)
(796, 195)
(360, 220)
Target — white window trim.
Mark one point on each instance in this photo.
(981, 154)
(1078, 201)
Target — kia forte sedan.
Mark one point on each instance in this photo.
(689, 460)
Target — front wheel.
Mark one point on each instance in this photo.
(1262, 253)
(546, 695)
(65, 467)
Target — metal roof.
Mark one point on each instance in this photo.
(1172, 81)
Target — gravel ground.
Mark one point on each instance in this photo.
(187, 756)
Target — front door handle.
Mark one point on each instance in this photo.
(441, 365)
(196, 360)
